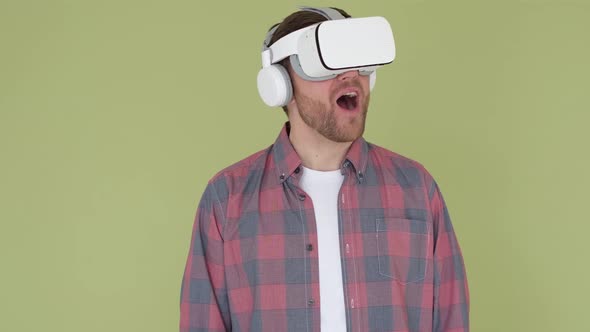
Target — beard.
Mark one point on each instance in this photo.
(322, 117)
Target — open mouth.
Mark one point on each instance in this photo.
(348, 101)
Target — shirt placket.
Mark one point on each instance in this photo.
(347, 248)
(311, 268)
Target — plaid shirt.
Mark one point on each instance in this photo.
(253, 260)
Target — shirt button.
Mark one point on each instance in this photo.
(310, 302)
(301, 197)
(297, 170)
(310, 247)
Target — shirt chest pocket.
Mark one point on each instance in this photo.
(403, 248)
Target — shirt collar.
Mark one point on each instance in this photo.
(287, 160)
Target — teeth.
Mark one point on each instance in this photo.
(351, 94)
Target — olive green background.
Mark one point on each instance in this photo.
(114, 114)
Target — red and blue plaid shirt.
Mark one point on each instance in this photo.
(253, 259)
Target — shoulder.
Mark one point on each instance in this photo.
(405, 170)
(234, 177)
(394, 159)
(239, 168)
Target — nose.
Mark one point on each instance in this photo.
(347, 75)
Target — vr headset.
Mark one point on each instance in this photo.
(323, 51)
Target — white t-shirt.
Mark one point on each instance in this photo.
(323, 188)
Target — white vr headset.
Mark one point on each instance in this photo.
(324, 50)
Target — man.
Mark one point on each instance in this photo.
(323, 230)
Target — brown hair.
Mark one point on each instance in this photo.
(295, 21)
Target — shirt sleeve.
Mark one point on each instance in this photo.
(203, 297)
(451, 291)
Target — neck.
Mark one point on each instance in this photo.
(316, 151)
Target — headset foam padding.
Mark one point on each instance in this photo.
(372, 79)
(274, 85)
